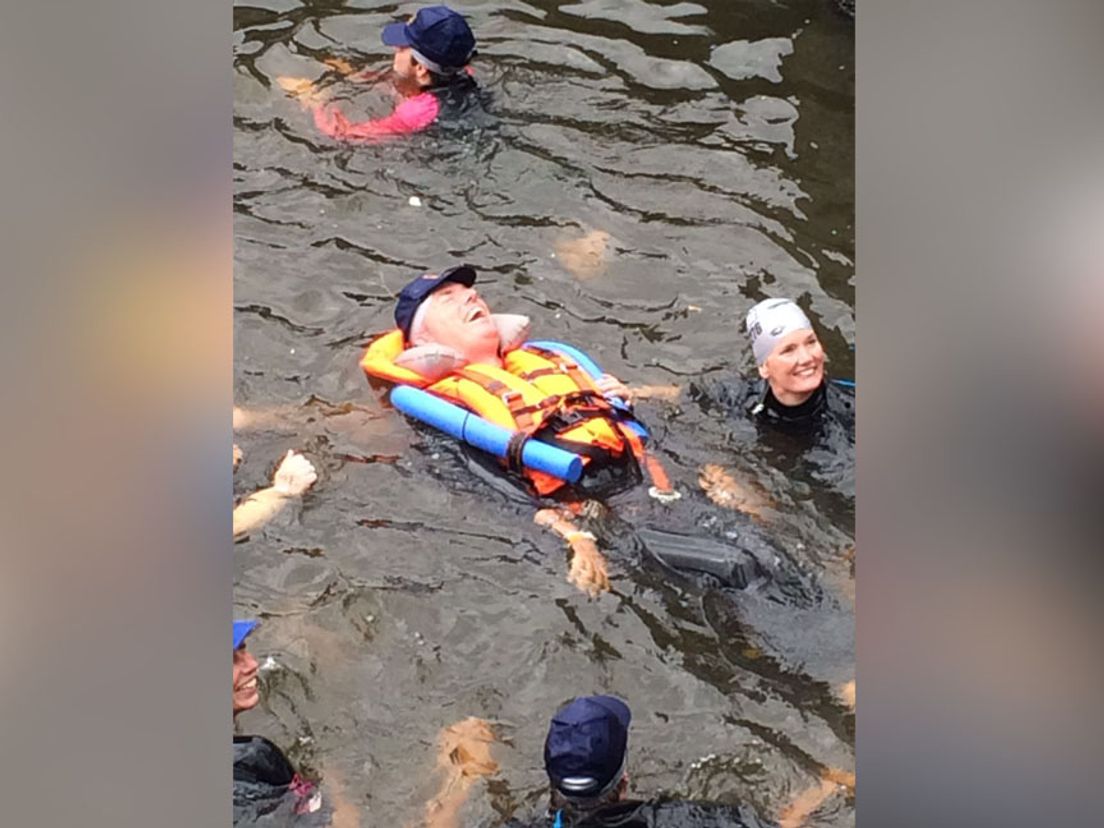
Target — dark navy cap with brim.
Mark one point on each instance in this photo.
(417, 290)
(585, 751)
(242, 629)
(440, 36)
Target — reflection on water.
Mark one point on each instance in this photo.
(651, 172)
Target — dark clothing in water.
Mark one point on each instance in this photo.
(654, 814)
(268, 791)
(815, 438)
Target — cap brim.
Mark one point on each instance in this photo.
(463, 274)
(394, 34)
(242, 629)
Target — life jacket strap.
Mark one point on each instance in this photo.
(656, 473)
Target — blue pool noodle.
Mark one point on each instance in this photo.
(475, 431)
(591, 367)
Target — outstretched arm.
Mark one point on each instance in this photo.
(294, 476)
(724, 490)
(806, 803)
(350, 72)
(588, 566)
(464, 753)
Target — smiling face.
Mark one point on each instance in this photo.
(795, 368)
(456, 316)
(246, 692)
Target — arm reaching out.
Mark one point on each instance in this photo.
(588, 566)
(805, 803)
(464, 753)
(668, 393)
(724, 490)
(350, 72)
(294, 476)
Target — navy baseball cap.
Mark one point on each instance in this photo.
(242, 629)
(587, 746)
(415, 293)
(441, 39)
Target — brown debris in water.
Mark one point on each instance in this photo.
(586, 257)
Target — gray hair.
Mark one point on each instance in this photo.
(418, 333)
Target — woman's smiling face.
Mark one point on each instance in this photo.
(795, 368)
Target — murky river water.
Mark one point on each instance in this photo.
(713, 143)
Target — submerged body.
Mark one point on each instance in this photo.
(814, 438)
(655, 814)
(453, 101)
(268, 791)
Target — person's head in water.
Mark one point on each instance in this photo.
(585, 753)
(246, 692)
(430, 47)
(445, 309)
(787, 350)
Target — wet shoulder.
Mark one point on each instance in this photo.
(728, 392)
(418, 112)
(841, 402)
(259, 761)
(463, 100)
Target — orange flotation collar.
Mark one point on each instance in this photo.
(538, 392)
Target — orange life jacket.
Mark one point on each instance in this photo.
(538, 392)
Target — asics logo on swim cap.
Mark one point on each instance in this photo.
(778, 330)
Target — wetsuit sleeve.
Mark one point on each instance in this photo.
(412, 115)
(729, 393)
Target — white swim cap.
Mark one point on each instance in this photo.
(771, 320)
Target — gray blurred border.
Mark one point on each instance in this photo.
(115, 598)
(979, 220)
(980, 411)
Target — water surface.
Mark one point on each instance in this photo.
(712, 144)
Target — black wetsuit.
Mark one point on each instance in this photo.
(268, 791)
(462, 102)
(816, 437)
(656, 814)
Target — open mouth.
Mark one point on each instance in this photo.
(804, 373)
(474, 314)
(249, 685)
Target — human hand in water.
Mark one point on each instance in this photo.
(611, 386)
(295, 475)
(347, 70)
(667, 393)
(724, 490)
(465, 748)
(302, 89)
(588, 565)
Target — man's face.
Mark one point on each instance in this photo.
(246, 693)
(796, 365)
(410, 76)
(459, 318)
